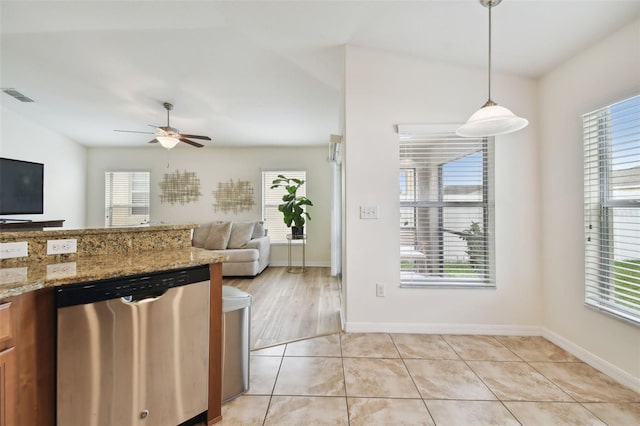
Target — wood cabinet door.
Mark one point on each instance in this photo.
(8, 387)
(6, 325)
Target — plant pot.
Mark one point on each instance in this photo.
(297, 232)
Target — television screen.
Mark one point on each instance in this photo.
(21, 187)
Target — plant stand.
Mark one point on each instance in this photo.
(299, 241)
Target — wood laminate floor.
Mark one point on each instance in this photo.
(290, 306)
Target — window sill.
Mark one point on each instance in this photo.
(603, 309)
(452, 286)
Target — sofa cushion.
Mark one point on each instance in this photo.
(218, 236)
(240, 255)
(258, 230)
(200, 235)
(240, 234)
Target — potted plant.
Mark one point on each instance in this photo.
(292, 206)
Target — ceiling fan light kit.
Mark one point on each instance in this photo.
(491, 119)
(169, 136)
(167, 141)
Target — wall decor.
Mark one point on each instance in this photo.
(180, 187)
(234, 196)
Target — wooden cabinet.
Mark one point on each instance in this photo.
(27, 356)
(8, 368)
(8, 387)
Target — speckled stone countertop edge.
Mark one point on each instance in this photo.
(53, 232)
(31, 276)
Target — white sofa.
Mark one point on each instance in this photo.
(246, 244)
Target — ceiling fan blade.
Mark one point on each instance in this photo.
(154, 141)
(192, 143)
(134, 131)
(206, 138)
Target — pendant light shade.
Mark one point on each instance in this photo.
(491, 119)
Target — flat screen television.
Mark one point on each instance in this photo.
(21, 187)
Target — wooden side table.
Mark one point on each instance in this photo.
(297, 241)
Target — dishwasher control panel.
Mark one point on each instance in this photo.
(95, 291)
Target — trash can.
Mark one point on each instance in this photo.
(236, 308)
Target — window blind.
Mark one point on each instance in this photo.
(446, 217)
(126, 198)
(273, 218)
(612, 208)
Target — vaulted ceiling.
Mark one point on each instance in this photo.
(256, 73)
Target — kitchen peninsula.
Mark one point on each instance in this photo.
(28, 304)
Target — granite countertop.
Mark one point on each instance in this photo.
(29, 276)
(62, 232)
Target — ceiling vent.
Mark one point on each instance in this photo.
(19, 96)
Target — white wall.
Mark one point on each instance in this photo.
(384, 89)
(214, 165)
(64, 166)
(607, 72)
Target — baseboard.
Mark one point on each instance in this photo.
(423, 328)
(593, 360)
(314, 264)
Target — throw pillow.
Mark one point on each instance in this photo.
(218, 237)
(241, 233)
(200, 235)
(258, 230)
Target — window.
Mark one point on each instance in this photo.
(446, 217)
(612, 208)
(126, 198)
(272, 197)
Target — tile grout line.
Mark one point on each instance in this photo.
(273, 388)
(412, 379)
(482, 381)
(553, 382)
(344, 379)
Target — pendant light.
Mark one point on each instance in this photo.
(491, 119)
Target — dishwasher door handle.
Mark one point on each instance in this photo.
(143, 298)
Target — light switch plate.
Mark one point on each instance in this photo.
(368, 212)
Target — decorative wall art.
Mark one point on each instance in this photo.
(180, 188)
(234, 196)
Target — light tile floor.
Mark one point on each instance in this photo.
(405, 379)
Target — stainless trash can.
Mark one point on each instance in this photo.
(236, 308)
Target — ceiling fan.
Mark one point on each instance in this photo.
(169, 136)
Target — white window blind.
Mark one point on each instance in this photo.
(612, 208)
(446, 216)
(126, 198)
(273, 218)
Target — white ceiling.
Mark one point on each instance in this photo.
(256, 73)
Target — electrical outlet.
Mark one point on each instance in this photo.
(61, 270)
(368, 212)
(62, 246)
(379, 290)
(15, 249)
(13, 275)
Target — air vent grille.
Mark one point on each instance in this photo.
(19, 96)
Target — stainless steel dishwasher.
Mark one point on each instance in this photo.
(134, 351)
